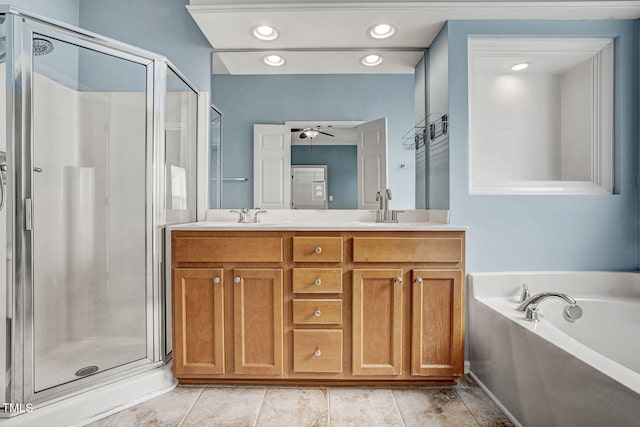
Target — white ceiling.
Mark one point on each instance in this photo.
(325, 37)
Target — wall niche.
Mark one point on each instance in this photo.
(540, 115)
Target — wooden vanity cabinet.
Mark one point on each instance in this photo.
(198, 313)
(257, 321)
(377, 321)
(433, 266)
(436, 323)
(306, 306)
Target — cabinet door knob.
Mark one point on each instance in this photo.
(236, 279)
(317, 313)
(317, 282)
(318, 250)
(419, 280)
(216, 280)
(398, 279)
(317, 353)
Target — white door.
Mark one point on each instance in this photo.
(309, 187)
(372, 162)
(271, 166)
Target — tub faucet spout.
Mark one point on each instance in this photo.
(571, 312)
(538, 298)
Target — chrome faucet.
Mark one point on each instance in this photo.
(256, 220)
(571, 312)
(384, 214)
(244, 217)
(387, 197)
(248, 217)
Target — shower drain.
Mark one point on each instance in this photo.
(87, 370)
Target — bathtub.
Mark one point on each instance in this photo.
(555, 372)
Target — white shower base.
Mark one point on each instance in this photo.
(60, 366)
(101, 402)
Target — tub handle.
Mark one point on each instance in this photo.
(525, 293)
(531, 313)
(572, 312)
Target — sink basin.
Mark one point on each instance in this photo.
(391, 224)
(233, 224)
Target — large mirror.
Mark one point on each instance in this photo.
(307, 98)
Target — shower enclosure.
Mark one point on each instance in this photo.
(97, 153)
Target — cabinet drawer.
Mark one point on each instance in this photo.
(227, 249)
(407, 249)
(317, 280)
(316, 350)
(317, 249)
(317, 311)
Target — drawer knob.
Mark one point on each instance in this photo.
(216, 280)
(398, 279)
(317, 353)
(419, 280)
(236, 279)
(317, 282)
(318, 250)
(317, 313)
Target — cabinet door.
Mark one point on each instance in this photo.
(257, 321)
(437, 316)
(198, 321)
(377, 321)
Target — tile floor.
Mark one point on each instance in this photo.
(464, 404)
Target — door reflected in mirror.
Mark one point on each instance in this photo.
(353, 155)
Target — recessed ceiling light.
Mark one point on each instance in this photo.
(521, 66)
(371, 60)
(265, 32)
(273, 60)
(381, 31)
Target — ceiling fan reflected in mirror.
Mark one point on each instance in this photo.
(310, 132)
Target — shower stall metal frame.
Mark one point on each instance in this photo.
(20, 29)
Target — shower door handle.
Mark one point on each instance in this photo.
(39, 170)
(28, 214)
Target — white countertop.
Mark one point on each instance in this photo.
(324, 220)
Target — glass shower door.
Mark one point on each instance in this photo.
(89, 192)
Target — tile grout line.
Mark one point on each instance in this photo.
(260, 408)
(186, 414)
(467, 407)
(395, 402)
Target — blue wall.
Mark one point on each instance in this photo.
(420, 111)
(245, 100)
(342, 170)
(61, 10)
(60, 65)
(438, 103)
(548, 232)
(161, 26)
